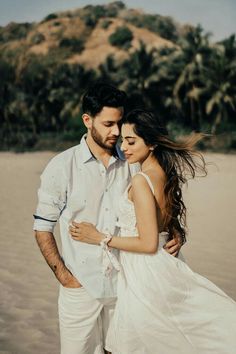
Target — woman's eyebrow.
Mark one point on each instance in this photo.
(129, 137)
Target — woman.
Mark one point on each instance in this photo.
(163, 307)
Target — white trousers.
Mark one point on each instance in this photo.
(83, 321)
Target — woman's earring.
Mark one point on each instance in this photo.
(153, 148)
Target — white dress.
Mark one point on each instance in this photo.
(163, 307)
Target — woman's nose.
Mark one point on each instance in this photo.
(122, 147)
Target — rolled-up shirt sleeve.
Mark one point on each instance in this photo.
(51, 196)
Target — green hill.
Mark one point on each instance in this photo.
(86, 36)
(172, 69)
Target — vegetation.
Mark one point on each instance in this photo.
(121, 38)
(75, 44)
(50, 17)
(164, 26)
(14, 31)
(105, 24)
(37, 38)
(191, 84)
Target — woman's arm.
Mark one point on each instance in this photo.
(146, 216)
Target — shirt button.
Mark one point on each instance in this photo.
(106, 209)
(106, 190)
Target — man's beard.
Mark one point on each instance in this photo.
(98, 140)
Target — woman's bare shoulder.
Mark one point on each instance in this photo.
(157, 177)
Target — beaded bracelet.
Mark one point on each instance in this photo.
(105, 240)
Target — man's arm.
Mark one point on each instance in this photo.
(51, 201)
(48, 247)
(173, 246)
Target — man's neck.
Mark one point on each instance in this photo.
(99, 152)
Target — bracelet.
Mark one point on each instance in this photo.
(105, 240)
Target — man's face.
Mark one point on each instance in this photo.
(105, 129)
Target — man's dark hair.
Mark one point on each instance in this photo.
(101, 95)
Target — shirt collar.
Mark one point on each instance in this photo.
(87, 155)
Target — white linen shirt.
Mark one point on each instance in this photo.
(76, 186)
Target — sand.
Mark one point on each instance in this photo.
(28, 289)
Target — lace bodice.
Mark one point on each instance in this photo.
(126, 215)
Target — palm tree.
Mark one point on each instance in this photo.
(139, 70)
(188, 87)
(220, 79)
(7, 93)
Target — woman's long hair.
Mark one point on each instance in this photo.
(179, 160)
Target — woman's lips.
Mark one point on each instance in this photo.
(127, 156)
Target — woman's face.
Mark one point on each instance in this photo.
(134, 147)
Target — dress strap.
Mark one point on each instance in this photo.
(148, 180)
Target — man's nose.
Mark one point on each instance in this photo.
(116, 130)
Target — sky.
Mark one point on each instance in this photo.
(216, 16)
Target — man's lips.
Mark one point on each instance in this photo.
(112, 139)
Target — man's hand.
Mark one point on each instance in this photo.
(71, 282)
(48, 247)
(173, 246)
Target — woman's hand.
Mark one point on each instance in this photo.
(85, 232)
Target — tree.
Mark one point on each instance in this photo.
(220, 78)
(139, 70)
(121, 37)
(188, 87)
(7, 93)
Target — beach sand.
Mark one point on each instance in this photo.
(28, 289)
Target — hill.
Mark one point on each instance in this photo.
(174, 70)
(83, 36)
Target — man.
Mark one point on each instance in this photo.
(83, 184)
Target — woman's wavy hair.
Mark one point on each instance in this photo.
(179, 160)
